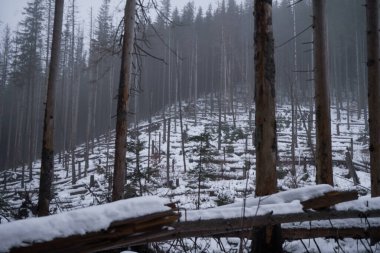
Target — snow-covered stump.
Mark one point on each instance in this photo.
(107, 226)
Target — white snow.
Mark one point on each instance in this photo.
(300, 194)
(288, 202)
(91, 219)
(280, 203)
(363, 204)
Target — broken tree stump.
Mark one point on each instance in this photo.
(329, 199)
(351, 169)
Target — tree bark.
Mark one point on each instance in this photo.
(373, 94)
(266, 140)
(322, 100)
(268, 238)
(47, 160)
(168, 157)
(122, 103)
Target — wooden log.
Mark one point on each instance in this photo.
(78, 191)
(372, 233)
(288, 233)
(111, 238)
(294, 233)
(222, 226)
(329, 199)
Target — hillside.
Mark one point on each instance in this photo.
(223, 176)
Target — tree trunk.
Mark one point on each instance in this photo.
(168, 156)
(266, 140)
(373, 94)
(89, 105)
(180, 116)
(293, 144)
(122, 103)
(47, 160)
(322, 100)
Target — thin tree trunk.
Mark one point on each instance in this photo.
(89, 105)
(373, 94)
(168, 156)
(47, 160)
(179, 69)
(322, 100)
(75, 97)
(220, 120)
(122, 103)
(293, 150)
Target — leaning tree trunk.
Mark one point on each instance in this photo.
(122, 102)
(373, 94)
(322, 100)
(47, 160)
(266, 239)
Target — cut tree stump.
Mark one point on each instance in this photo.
(329, 199)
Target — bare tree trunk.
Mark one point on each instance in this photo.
(266, 239)
(122, 103)
(47, 160)
(373, 94)
(168, 156)
(266, 140)
(89, 106)
(348, 109)
(75, 97)
(109, 131)
(220, 120)
(293, 150)
(180, 114)
(322, 100)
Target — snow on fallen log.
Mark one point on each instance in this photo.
(301, 194)
(281, 203)
(329, 199)
(283, 207)
(231, 220)
(23, 233)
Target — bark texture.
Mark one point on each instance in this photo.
(122, 102)
(268, 238)
(47, 159)
(322, 99)
(373, 94)
(266, 140)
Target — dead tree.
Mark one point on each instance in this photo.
(122, 102)
(266, 140)
(373, 94)
(322, 100)
(267, 238)
(47, 160)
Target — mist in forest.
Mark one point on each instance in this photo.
(184, 54)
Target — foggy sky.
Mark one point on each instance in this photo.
(11, 10)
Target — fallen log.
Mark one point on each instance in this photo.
(206, 228)
(223, 221)
(294, 233)
(329, 199)
(116, 236)
(90, 229)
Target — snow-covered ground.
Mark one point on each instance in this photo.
(225, 178)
